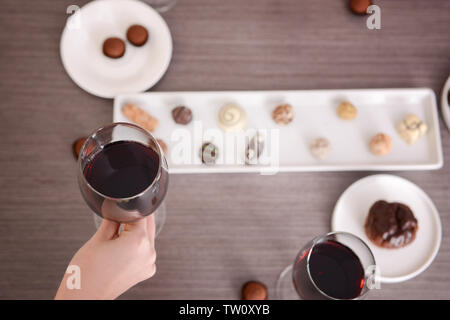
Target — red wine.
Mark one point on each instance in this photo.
(125, 169)
(334, 268)
(122, 169)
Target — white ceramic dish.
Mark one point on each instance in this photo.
(379, 110)
(445, 103)
(395, 265)
(138, 70)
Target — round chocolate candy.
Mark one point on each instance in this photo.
(381, 144)
(77, 145)
(254, 290)
(114, 48)
(283, 114)
(137, 35)
(360, 6)
(320, 148)
(209, 153)
(182, 115)
(347, 111)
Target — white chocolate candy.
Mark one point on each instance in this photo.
(232, 118)
(320, 148)
(411, 129)
(381, 144)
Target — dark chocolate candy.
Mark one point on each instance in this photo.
(391, 225)
(254, 290)
(360, 6)
(77, 145)
(137, 35)
(114, 48)
(182, 115)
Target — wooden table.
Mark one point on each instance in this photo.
(222, 229)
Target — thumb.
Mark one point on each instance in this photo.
(107, 230)
(136, 227)
(151, 228)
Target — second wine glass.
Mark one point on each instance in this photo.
(335, 266)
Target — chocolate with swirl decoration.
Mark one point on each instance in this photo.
(232, 118)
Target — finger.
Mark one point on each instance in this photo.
(136, 227)
(151, 228)
(107, 230)
(151, 271)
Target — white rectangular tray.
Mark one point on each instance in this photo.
(379, 110)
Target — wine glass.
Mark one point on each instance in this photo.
(335, 266)
(161, 5)
(123, 174)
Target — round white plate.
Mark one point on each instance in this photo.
(395, 265)
(138, 70)
(444, 103)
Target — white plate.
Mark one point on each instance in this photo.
(138, 70)
(379, 110)
(395, 265)
(444, 103)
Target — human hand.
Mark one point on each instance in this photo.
(111, 263)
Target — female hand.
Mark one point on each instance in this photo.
(110, 263)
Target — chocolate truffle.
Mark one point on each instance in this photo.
(254, 149)
(411, 129)
(163, 146)
(381, 144)
(182, 115)
(209, 153)
(232, 118)
(360, 6)
(320, 148)
(137, 35)
(391, 225)
(254, 290)
(114, 48)
(347, 111)
(283, 114)
(77, 145)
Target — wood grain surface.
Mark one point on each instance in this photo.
(222, 229)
